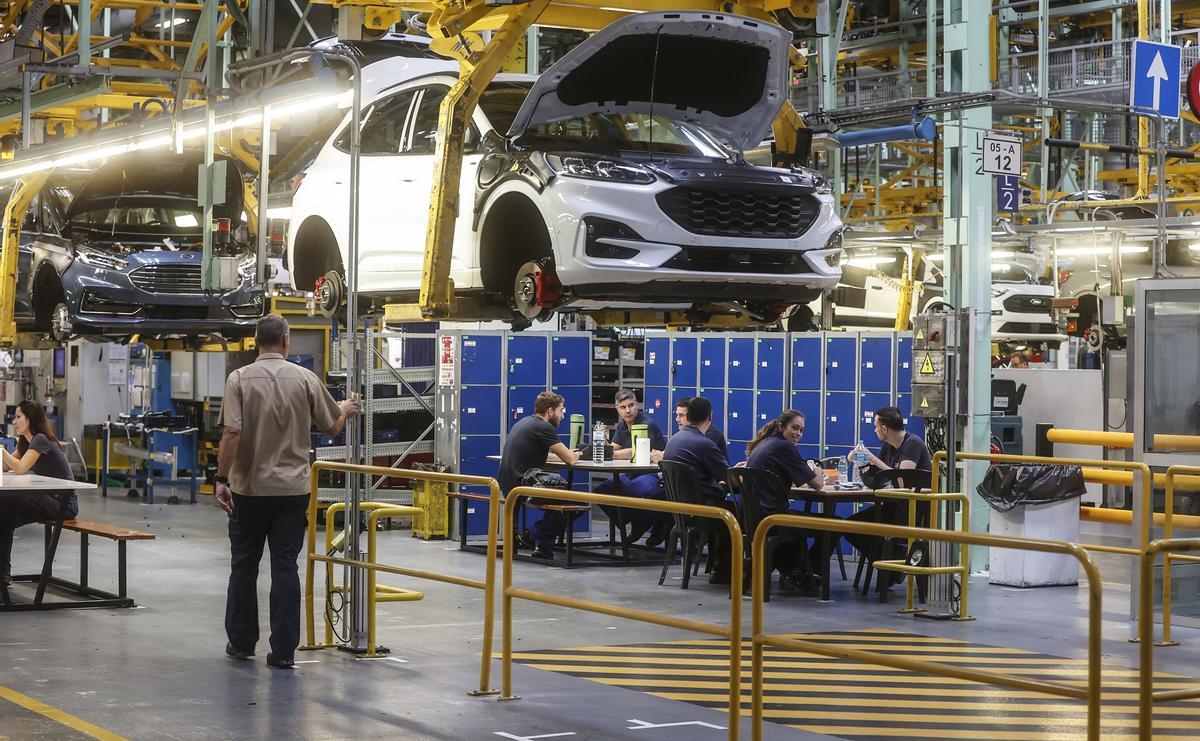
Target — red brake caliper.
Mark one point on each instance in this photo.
(549, 289)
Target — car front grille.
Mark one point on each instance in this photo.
(1028, 328)
(734, 213)
(1028, 304)
(732, 260)
(169, 278)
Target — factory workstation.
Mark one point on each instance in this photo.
(530, 369)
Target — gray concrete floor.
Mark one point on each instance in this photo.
(158, 671)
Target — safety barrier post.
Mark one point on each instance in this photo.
(759, 640)
(1147, 697)
(964, 567)
(732, 632)
(487, 585)
(1168, 533)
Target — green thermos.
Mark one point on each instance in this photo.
(638, 432)
(578, 426)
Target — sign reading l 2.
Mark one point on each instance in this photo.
(1154, 78)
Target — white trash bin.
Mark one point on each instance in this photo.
(1056, 521)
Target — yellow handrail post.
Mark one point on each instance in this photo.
(1147, 697)
(1168, 533)
(936, 500)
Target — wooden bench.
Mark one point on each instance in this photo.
(570, 510)
(86, 529)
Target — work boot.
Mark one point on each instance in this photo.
(233, 653)
(279, 662)
(543, 554)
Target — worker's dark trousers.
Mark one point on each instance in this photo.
(25, 509)
(280, 522)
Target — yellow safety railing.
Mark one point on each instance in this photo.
(759, 640)
(1147, 697)
(731, 632)
(964, 562)
(376, 593)
(487, 585)
(1120, 440)
(1168, 532)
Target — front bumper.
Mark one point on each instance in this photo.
(663, 261)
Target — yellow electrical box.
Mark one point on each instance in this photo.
(432, 498)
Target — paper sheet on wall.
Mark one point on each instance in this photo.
(118, 372)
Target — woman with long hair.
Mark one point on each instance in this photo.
(38, 452)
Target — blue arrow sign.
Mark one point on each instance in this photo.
(1008, 193)
(1154, 78)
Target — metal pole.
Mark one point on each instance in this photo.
(264, 178)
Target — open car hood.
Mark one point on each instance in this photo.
(145, 179)
(725, 73)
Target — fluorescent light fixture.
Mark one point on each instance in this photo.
(1086, 251)
(279, 212)
(186, 221)
(996, 255)
(997, 266)
(1194, 247)
(889, 238)
(176, 21)
(869, 262)
(1070, 229)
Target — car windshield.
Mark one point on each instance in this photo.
(156, 217)
(612, 133)
(501, 101)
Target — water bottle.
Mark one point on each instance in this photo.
(843, 469)
(598, 443)
(860, 461)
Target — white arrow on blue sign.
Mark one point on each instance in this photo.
(1154, 78)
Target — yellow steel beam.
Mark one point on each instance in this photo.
(24, 192)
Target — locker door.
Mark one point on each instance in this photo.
(769, 405)
(658, 406)
(876, 365)
(473, 452)
(571, 361)
(527, 360)
(868, 403)
(578, 400)
(684, 362)
(806, 363)
(915, 425)
(736, 451)
(904, 350)
(520, 403)
(480, 410)
(840, 427)
(739, 410)
(658, 361)
(809, 402)
(712, 362)
(741, 363)
(841, 365)
(810, 452)
(717, 397)
(770, 364)
(480, 360)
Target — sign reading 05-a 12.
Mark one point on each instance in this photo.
(1001, 154)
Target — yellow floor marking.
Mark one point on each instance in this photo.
(724, 648)
(58, 716)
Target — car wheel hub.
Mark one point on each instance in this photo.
(536, 290)
(328, 294)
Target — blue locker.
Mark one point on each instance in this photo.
(659, 407)
(769, 405)
(876, 365)
(741, 363)
(904, 351)
(809, 402)
(915, 425)
(520, 403)
(806, 363)
(736, 451)
(771, 365)
(841, 363)
(682, 392)
(717, 397)
(712, 362)
(868, 403)
(480, 356)
(684, 362)
(838, 451)
(810, 452)
(480, 410)
(578, 400)
(473, 451)
(571, 361)
(739, 414)
(840, 422)
(658, 361)
(527, 360)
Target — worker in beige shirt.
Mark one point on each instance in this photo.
(262, 482)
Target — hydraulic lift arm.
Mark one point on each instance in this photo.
(23, 194)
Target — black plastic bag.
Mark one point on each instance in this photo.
(1006, 485)
(544, 480)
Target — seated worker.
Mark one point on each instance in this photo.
(528, 446)
(712, 433)
(644, 486)
(39, 452)
(692, 447)
(774, 449)
(900, 450)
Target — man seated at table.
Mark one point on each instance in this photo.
(900, 450)
(643, 486)
(693, 448)
(712, 433)
(774, 449)
(528, 446)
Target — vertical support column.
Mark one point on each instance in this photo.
(831, 46)
(967, 229)
(1043, 73)
(264, 194)
(211, 84)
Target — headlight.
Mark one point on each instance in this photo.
(816, 180)
(99, 258)
(599, 169)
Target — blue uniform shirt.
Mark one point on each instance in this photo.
(694, 449)
(623, 436)
(780, 457)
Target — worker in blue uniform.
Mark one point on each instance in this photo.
(712, 433)
(644, 486)
(693, 448)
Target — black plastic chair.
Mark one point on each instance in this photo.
(680, 483)
(914, 479)
(753, 485)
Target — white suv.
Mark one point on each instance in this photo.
(615, 178)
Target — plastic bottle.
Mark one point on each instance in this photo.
(860, 461)
(843, 469)
(598, 443)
